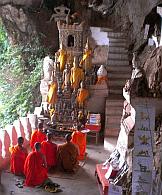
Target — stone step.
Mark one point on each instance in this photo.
(118, 75)
(117, 40)
(106, 29)
(121, 68)
(115, 91)
(118, 56)
(115, 34)
(116, 83)
(117, 62)
(111, 120)
(112, 126)
(111, 132)
(114, 102)
(114, 111)
(118, 44)
(114, 49)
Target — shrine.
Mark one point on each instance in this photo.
(81, 97)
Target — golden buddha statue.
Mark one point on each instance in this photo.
(82, 95)
(77, 74)
(62, 57)
(52, 93)
(86, 61)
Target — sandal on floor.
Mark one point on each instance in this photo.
(51, 184)
(52, 189)
(19, 185)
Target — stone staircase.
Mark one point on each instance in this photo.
(119, 71)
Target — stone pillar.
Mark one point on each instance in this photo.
(33, 121)
(5, 141)
(27, 127)
(19, 128)
(12, 134)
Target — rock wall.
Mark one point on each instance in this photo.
(129, 16)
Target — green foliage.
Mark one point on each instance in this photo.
(20, 74)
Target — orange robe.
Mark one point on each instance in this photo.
(77, 75)
(34, 169)
(49, 149)
(79, 139)
(67, 156)
(82, 96)
(87, 60)
(18, 156)
(62, 59)
(37, 136)
(52, 93)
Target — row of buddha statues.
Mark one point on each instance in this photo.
(65, 82)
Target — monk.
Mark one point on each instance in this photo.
(49, 149)
(37, 135)
(35, 168)
(67, 155)
(79, 139)
(18, 157)
(0, 176)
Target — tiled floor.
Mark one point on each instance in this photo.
(83, 183)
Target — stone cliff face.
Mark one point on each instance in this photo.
(130, 15)
(26, 20)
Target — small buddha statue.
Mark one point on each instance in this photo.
(82, 95)
(66, 77)
(77, 74)
(102, 75)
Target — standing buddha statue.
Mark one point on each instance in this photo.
(62, 57)
(82, 95)
(77, 75)
(86, 61)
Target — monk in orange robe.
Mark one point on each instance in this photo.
(37, 136)
(67, 155)
(79, 139)
(18, 157)
(35, 168)
(49, 149)
(0, 176)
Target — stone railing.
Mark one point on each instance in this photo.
(8, 136)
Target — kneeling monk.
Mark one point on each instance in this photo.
(35, 168)
(18, 156)
(49, 149)
(67, 155)
(37, 136)
(79, 139)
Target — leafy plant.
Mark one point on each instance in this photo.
(20, 74)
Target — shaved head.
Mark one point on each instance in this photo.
(49, 136)
(37, 146)
(20, 140)
(68, 137)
